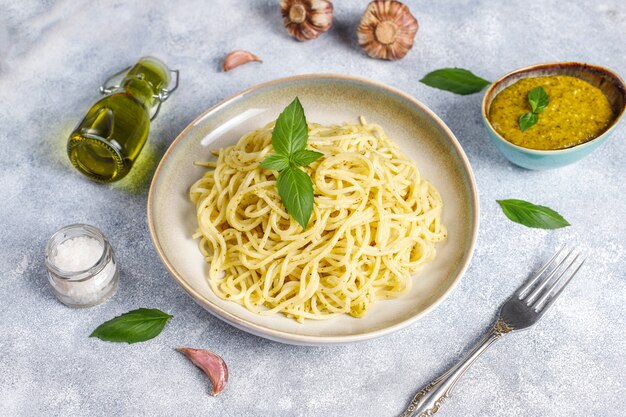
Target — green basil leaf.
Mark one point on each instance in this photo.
(132, 327)
(289, 139)
(305, 157)
(531, 215)
(528, 120)
(538, 99)
(291, 133)
(275, 162)
(296, 191)
(455, 80)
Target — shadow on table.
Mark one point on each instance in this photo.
(463, 117)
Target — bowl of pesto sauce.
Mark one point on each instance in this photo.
(550, 115)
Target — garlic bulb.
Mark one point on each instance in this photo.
(387, 30)
(306, 19)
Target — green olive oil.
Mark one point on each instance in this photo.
(106, 143)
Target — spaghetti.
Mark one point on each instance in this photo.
(375, 222)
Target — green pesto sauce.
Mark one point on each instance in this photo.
(577, 113)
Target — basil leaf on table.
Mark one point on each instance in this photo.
(528, 120)
(296, 191)
(538, 99)
(132, 327)
(456, 80)
(531, 215)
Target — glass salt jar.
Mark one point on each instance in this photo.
(81, 267)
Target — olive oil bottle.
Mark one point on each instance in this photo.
(106, 143)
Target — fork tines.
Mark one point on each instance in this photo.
(551, 279)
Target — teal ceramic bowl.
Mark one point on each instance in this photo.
(606, 80)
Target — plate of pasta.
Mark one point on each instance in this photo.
(391, 222)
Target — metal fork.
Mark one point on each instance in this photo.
(521, 311)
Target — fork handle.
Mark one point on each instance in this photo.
(428, 401)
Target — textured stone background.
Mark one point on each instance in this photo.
(53, 56)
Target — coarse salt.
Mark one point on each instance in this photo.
(78, 254)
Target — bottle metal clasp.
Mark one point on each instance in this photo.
(165, 92)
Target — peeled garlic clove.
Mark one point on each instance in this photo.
(211, 364)
(387, 30)
(239, 57)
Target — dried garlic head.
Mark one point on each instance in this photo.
(387, 30)
(307, 19)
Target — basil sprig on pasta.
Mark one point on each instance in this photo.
(289, 140)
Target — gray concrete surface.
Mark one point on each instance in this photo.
(53, 56)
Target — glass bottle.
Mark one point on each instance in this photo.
(106, 143)
(81, 284)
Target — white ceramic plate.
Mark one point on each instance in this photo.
(326, 99)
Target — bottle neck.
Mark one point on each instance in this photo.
(141, 90)
(146, 80)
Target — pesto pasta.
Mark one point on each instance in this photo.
(375, 223)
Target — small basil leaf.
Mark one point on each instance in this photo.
(305, 157)
(291, 133)
(275, 162)
(528, 120)
(531, 215)
(296, 191)
(132, 327)
(538, 99)
(455, 80)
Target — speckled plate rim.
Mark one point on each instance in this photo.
(299, 339)
(537, 67)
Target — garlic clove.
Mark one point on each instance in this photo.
(237, 58)
(387, 30)
(306, 19)
(211, 364)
